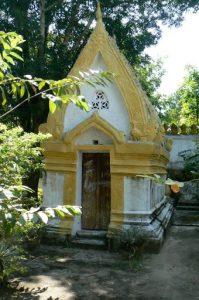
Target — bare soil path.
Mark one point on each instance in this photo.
(68, 274)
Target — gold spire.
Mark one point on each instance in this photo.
(98, 12)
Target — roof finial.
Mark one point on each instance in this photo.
(98, 12)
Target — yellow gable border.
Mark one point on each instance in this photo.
(95, 121)
(143, 118)
(145, 124)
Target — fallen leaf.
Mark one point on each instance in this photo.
(175, 188)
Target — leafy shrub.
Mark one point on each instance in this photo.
(20, 154)
(191, 163)
(20, 216)
(11, 255)
(17, 223)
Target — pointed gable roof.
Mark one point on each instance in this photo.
(144, 120)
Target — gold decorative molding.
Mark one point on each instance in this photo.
(125, 159)
(54, 124)
(168, 143)
(143, 118)
(183, 129)
(97, 122)
(99, 12)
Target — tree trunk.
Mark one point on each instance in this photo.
(42, 29)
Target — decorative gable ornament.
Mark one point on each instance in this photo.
(93, 158)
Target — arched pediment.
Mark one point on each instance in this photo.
(95, 121)
(144, 122)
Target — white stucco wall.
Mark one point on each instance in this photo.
(141, 194)
(88, 137)
(53, 193)
(157, 194)
(116, 115)
(181, 143)
(53, 189)
(136, 194)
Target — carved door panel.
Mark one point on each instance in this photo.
(96, 196)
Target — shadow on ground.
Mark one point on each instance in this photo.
(68, 274)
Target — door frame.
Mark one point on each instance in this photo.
(77, 220)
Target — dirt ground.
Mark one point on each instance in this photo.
(68, 274)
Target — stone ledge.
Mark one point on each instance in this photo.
(154, 232)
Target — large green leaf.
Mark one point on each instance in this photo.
(17, 56)
(52, 106)
(43, 216)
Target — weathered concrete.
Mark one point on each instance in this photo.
(189, 194)
(187, 205)
(181, 143)
(184, 217)
(68, 274)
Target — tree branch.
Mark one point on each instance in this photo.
(29, 98)
(78, 41)
(53, 5)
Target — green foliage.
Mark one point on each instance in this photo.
(13, 214)
(17, 223)
(56, 30)
(183, 106)
(11, 255)
(188, 97)
(31, 231)
(20, 154)
(9, 54)
(58, 92)
(191, 163)
(150, 74)
(11, 48)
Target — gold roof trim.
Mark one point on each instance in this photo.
(98, 12)
(144, 121)
(95, 121)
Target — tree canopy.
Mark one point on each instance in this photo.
(27, 88)
(182, 107)
(150, 77)
(56, 30)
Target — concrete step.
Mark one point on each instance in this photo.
(92, 234)
(187, 203)
(188, 207)
(186, 218)
(89, 243)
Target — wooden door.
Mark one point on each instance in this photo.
(96, 200)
